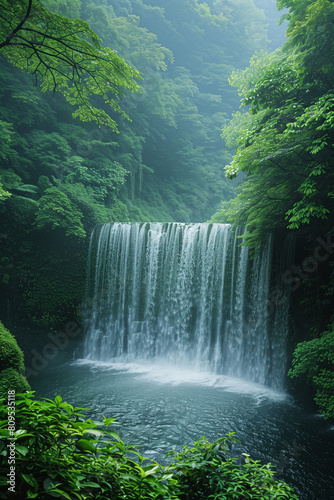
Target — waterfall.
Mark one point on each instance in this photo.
(186, 294)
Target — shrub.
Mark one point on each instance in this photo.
(314, 359)
(206, 471)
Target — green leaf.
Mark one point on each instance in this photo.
(32, 494)
(59, 493)
(115, 436)
(91, 484)
(58, 400)
(84, 445)
(30, 480)
(23, 450)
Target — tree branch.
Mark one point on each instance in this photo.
(18, 27)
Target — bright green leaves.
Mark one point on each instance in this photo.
(314, 360)
(303, 211)
(275, 88)
(66, 55)
(319, 117)
(231, 171)
(314, 129)
(3, 193)
(84, 445)
(207, 471)
(60, 453)
(101, 176)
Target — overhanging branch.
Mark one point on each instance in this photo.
(18, 27)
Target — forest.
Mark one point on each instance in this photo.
(159, 111)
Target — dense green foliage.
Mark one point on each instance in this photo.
(206, 472)
(286, 139)
(59, 452)
(314, 359)
(11, 363)
(59, 177)
(66, 56)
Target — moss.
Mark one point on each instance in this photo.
(11, 355)
(10, 379)
(12, 364)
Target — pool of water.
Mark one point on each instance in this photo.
(163, 408)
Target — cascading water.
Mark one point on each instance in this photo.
(185, 294)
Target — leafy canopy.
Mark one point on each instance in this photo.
(56, 210)
(67, 56)
(285, 145)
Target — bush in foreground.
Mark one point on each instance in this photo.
(61, 453)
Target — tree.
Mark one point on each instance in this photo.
(286, 144)
(55, 210)
(67, 56)
(314, 359)
(310, 35)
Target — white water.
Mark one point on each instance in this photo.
(176, 375)
(186, 295)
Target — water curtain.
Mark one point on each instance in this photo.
(184, 294)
